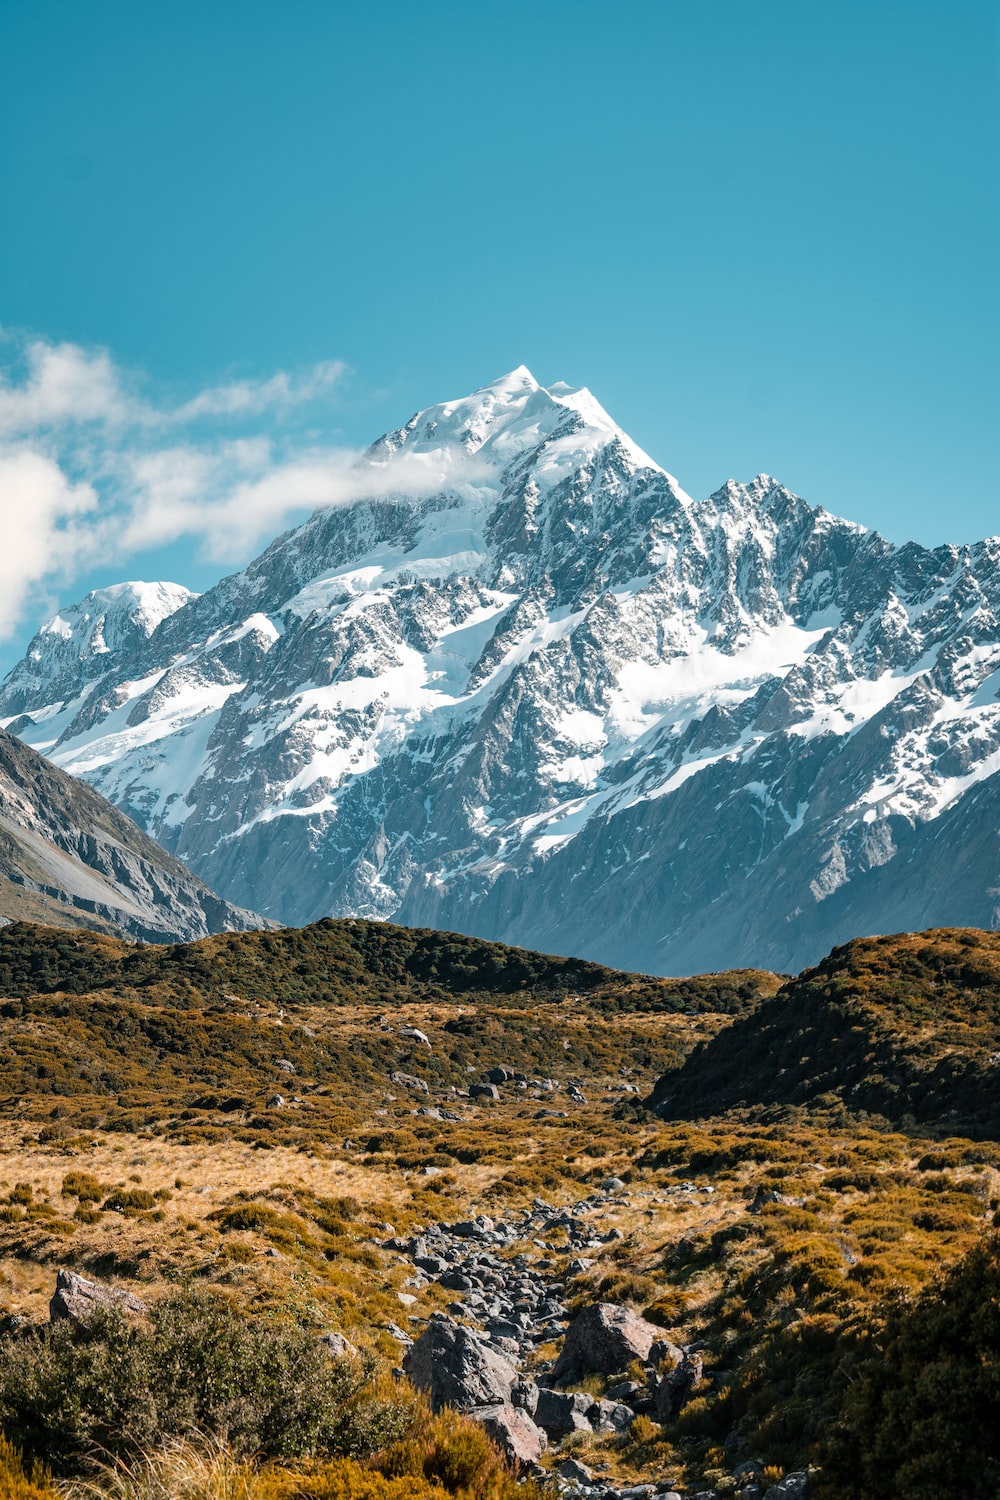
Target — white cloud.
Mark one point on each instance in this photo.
(43, 532)
(63, 385)
(93, 469)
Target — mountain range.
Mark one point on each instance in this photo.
(531, 690)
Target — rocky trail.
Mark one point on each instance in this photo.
(487, 1354)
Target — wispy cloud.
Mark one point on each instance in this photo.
(93, 468)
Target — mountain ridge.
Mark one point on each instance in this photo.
(68, 858)
(734, 730)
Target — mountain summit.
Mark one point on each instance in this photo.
(531, 690)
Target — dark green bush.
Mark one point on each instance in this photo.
(197, 1366)
(921, 1412)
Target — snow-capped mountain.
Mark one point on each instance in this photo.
(532, 690)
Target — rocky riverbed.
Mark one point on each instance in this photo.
(486, 1355)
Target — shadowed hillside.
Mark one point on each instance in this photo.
(906, 1027)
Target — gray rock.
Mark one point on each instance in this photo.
(559, 1413)
(76, 1299)
(603, 1340)
(456, 1368)
(514, 1433)
(483, 1091)
(677, 1387)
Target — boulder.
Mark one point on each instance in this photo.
(514, 1433)
(76, 1299)
(603, 1340)
(337, 1346)
(453, 1365)
(484, 1091)
(558, 1413)
(677, 1387)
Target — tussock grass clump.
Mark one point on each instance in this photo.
(19, 1483)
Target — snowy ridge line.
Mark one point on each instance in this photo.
(716, 722)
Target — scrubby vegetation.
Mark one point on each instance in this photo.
(905, 1027)
(238, 1129)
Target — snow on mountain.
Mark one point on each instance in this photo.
(532, 690)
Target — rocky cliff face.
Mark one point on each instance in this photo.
(537, 692)
(70, 859)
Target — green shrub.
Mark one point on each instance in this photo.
(197, 1366)
(921, 1413)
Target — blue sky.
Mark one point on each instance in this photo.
(765, 235)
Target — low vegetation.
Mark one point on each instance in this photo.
(240, 1150)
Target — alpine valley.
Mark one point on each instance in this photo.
(530, 690)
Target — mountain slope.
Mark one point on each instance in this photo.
(907, 1027)
(532, 690)
(69, 858)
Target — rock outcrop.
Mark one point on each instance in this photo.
(77, 1299)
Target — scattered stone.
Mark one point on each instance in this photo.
(603, 1340)
(276, 1101)
(76, 1299)
(414, 1034)
(613, 1185)
(285, 1065)
(483, 1091)
(500, 1075)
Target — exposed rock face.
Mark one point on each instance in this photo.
(456, 1368)
(748, 728)
(70, 859)
(603, 1340)
(76, 1299)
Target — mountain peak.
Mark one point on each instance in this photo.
(549, 671)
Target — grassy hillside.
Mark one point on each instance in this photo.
(256, 1115)
(905, 1027)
